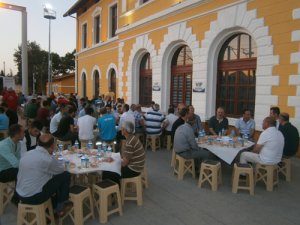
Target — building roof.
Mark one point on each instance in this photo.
(75, 7)
(78, 5)
(64, 76)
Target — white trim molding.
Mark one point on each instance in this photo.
(294, 79)
(230, 21)
(121, 65)
(177, 36)
(83, 70)
(141, 46)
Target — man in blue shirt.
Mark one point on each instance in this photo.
(10, 153)
(4, 121)
(245, 125)
(107, 126)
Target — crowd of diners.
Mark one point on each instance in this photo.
(26, 155)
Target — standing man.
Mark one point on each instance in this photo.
(291, 135)
(107, 126)
(218, 123)
(245, 125)
(269, 147)
(10, 149)
(41, 176)
(274, 113)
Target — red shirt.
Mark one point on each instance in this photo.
(11, 99)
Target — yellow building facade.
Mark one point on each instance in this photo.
(234, 53)
(63, 84)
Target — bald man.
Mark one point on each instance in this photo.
(41, 176)
(269, 147)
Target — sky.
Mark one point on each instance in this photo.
(63, 29)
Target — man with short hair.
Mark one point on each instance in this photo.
(183, 116)
(269, 147)
(169, 121)
(245, 125)
(153, 121)
(56, 119)
(107, 126)
(185, 144)
(133, 156)
(291, 135)
(10, 153)
(66, 129)
(86, 125)
(31, 136)
(274, 113)
(139, 120)
(42, 176)
(195, 120)
(218, 123)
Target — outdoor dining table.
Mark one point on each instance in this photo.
(222, 149)
(94, 165)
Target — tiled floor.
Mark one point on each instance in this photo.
(168, 201)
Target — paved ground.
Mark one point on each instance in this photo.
(168, 201)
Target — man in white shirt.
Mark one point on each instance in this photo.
(269, 147)
(56, 119)
(126, 116)
(169, 121)
(86, 125)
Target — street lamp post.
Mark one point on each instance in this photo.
(49, 14)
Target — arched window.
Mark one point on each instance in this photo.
(96, 83)
(112, 83)
(146, 80)
(236, 75)
(84, 85)
(181, 76)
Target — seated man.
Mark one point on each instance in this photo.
(186, 146)
(195, 120)
(139, 120)
(183, 116)
(56, 119)
(153, 121)
(169, 121)
(31, 136)
(133, 156)
(66, 130)
(274, 113)
(10, 153)
(218, 123)
(107, 126)
(245, 125)
(86, 125)
(291, 135)
(269, 147)
(41, 176)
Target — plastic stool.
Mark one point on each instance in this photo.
(183, 166)
(211, 172)
(268, 174)
(243, 169)
(137, 181)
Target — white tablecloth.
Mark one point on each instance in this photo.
(225, 153)
(114, 166)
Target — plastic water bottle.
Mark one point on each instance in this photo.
(223, 132)
(109, 151)
(82, 161)
(76, 145)
(90, 145)
(232, 133)
(104, 150)
(60, 148)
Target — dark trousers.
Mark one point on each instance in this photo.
(69, 137)
(125, 171)
(58, 186)
(9, 175)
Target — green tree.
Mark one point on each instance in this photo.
(68, 62)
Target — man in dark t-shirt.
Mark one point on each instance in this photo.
(183, 113)
(291, 135)
(66, 130)
(218, 123)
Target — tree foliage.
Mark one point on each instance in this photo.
(38, 65)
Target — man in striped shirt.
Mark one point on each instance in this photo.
(133, 156)
(153, 121)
